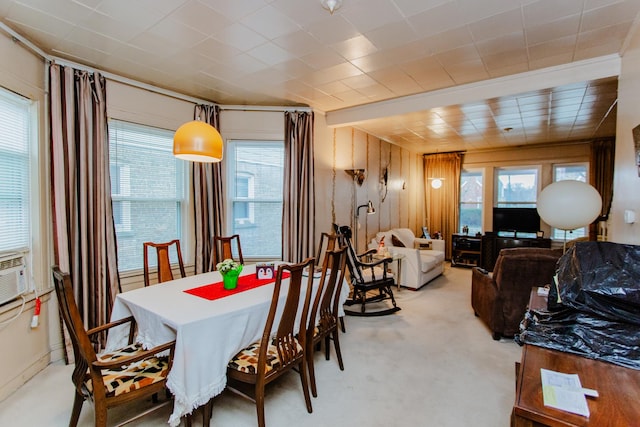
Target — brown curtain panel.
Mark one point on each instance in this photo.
(84, 232)
(298, 222)
(208, 196)
(443, 204)
(602, 160)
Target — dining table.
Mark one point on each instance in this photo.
(210, 325)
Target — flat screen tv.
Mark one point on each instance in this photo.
(524, 220)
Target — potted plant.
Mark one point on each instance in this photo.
(230, 271)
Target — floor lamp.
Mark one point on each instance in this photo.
(567, 205)
(358, 178)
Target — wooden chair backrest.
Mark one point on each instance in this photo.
(83, 350)
(327, 243)
(324, 310)
(164, 264)
(352, 260)
(285, 334)
(223, 248)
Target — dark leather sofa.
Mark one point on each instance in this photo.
(500, 298)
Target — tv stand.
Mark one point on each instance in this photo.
(493, 243)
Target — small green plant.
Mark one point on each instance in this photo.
(228, 265)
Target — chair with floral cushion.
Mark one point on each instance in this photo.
(323, 318)
(283, 343)
(115, 378)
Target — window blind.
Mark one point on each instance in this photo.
(15, 154)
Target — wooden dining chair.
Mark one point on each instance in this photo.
(115, 378)
(165, 273)
(226, 247)
(323, 317)
(281, 348)
(327, 243)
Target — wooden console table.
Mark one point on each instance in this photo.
(618, 388)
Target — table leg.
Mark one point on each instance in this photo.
(399, 264)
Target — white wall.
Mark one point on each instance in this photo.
(25, 351)
(626, 187)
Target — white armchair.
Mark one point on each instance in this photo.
(423, 258)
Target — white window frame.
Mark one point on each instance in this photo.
(496, 183)
(230, 174)
(557, 234)
(35, 202)
(124, 195)
(481, 202)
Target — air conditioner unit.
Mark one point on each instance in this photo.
(13, 276)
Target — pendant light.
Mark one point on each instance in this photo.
(197, 141)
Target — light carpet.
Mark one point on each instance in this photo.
(431, 364)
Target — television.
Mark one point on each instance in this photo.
(523, 220)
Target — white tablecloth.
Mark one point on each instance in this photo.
(207, 333)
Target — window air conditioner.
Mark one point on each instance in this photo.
(13, 276)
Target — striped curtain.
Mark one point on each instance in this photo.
(298, 210)
(84, 232)
(208, 196)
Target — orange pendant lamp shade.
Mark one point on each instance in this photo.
(197, 141)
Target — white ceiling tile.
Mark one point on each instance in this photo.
(392, 35)
(299, 43)
(413, 7)
(437, 20)
(322, 58)
(336, 30)
(544, 11)
(353, 48)
(447, 40)
(505, 43)
(240, 37)
(553, 30)
(497, 25)
(472, 10)
(270, 23)
(367, 15)
(200, 17)
(270, 54)
(610, 15)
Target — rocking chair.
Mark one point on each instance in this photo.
(369, 280)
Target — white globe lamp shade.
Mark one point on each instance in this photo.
(436, 183)
(570, 204)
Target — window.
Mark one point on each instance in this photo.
(255, 170)
(15, 172)
(577, 172)
(471, 202)
(517, 187)
(147, 190)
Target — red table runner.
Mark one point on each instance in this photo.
(216, 290)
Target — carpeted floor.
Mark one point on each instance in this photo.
(431, 364)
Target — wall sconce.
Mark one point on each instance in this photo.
(436, 182)
(356, 174)
(384, 181)
(197, 141)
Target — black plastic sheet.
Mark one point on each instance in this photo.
(598, 316)
(602, 278)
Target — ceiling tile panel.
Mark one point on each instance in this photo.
(270, 23)
(293, 52)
